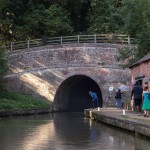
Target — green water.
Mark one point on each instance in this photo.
(64, 131)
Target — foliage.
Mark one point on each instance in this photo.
(78, 10)
(99, 17)
(49, 22)
(136, 15)
(127, 55)
(3, 66)
(105, 16)
(16, 101)
(143, 44)
(29, 19)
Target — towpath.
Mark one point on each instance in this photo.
(128, 120)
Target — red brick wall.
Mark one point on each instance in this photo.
(140, 70)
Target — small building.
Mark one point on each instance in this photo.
(141, 71)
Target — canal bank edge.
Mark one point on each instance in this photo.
(118, 120)
(24, 112)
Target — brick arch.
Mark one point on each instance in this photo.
(41, 71)
(82, 73)
(73, 93)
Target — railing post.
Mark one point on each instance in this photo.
(28, 43)
(129, 40)
(11, 46)
(94, 38)
(78, 39)
(61, 40)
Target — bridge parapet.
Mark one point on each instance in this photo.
(75, 39)
(83, 55)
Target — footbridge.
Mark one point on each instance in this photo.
(64, 74)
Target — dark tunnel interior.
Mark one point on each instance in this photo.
(73, 94)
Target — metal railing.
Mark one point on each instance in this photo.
(96, 38)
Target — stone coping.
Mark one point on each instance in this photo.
(130, 121)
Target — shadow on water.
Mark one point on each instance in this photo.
(74, 128)
(87, 133)
(64, 131)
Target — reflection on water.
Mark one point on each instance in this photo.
(64, 131)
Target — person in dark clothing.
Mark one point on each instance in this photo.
(118, 97)
(136, 96)
(95, 100)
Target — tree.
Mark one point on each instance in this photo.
(136, 15)
(53, 21)
(25, 19)
(11, 13)
(3, 66)
(6, 21)
(104, 16)
(117, 3)
(78, 10)
(99, 17)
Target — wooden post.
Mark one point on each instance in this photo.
(61, 40)
(129, 40)
(94, 38)
(28, 43)
(11, 46)
(78, 39)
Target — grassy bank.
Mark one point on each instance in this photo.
(17, 101)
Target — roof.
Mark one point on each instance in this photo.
(143, 59)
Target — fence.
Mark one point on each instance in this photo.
(96, 38)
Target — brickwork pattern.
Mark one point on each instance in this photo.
(39, 72)
(140, 70)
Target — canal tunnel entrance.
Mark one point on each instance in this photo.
(73, 94)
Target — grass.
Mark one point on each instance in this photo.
(17, 101)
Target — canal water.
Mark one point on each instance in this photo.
(65, 131)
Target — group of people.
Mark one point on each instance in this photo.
(139, 97)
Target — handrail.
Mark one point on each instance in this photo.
(95, 38)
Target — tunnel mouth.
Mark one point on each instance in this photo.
(73, 94)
